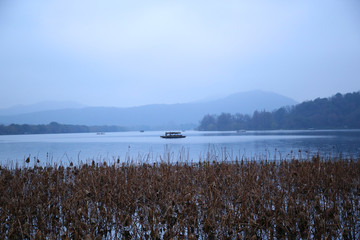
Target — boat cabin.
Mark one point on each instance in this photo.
(173, 135)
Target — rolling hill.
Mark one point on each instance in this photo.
(341, 111)
(155, 116)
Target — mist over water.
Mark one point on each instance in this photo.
(149, 147)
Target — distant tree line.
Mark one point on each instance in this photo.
(337, 112)
(55, 127)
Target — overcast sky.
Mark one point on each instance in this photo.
(128, 53)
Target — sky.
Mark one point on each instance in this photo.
(131, 53)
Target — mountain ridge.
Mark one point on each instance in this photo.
(155, 115)
(40, 106)
(340, 111)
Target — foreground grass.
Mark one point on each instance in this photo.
(292, 199)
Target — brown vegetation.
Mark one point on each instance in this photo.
(292, 199)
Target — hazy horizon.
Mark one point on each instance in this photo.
(57, 104)
(125, 54)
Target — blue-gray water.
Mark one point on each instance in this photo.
(148, 146)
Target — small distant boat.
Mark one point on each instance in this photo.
(142, 131)
(173, 135)
(100, 133)
(241, 131)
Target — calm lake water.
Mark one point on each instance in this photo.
(148, 146)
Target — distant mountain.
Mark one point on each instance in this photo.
(337, 112)
(248, 102)
(156, 116)
(41, 106)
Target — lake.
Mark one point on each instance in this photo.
(149, 147)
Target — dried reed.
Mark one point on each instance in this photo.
(292, 199)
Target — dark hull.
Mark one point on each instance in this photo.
(181, 136)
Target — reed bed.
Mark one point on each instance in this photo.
(293, 199)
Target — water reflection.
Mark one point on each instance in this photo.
(66, 148)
